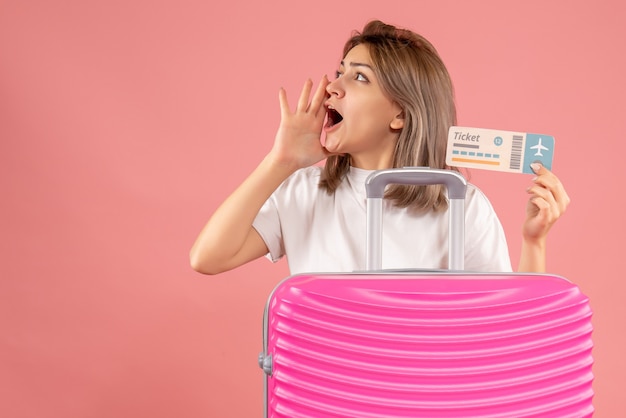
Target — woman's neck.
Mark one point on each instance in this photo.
(371, 162)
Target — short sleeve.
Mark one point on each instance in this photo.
(486, 249)
(267, 224)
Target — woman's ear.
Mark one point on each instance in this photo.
(397, 122)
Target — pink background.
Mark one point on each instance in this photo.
(123, 124)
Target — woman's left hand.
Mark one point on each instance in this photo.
(548, 201)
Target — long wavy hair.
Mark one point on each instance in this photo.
(412, 74)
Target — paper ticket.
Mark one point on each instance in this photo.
(490, 149)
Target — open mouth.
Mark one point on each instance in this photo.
(334, 117)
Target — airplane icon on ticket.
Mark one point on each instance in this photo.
(539, 147)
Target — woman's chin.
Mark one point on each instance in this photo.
(332, 146)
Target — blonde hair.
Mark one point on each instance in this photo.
(413, 75)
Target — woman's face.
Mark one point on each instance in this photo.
(362, 121)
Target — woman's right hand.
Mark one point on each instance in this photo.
(298, 140)
(228, 239)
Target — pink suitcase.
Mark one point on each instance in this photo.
(426, 344)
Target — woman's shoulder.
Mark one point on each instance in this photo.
(304, 184)
(477, 203)
(474, 191)
(304, 176)
(310, 173)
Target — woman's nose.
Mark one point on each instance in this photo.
(334, 88)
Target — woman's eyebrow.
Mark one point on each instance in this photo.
(357, 64)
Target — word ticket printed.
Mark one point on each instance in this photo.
(490, 149)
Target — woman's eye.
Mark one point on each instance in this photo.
(361, 77)
(338, 74)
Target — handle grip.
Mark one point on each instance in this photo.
(375, 189)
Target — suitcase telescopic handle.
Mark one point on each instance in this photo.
(375, 190)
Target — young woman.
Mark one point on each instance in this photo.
(390, 105)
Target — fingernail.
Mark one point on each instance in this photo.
(535, 166)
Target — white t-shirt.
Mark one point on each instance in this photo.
(319, 232)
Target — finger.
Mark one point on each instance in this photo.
(544, 201)
(538, 168)
(284, 104)
(544, 213)
(303, 102)
(550, 181)
(544, 193)
(560, 195)
(317, 103)
(540, 203)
